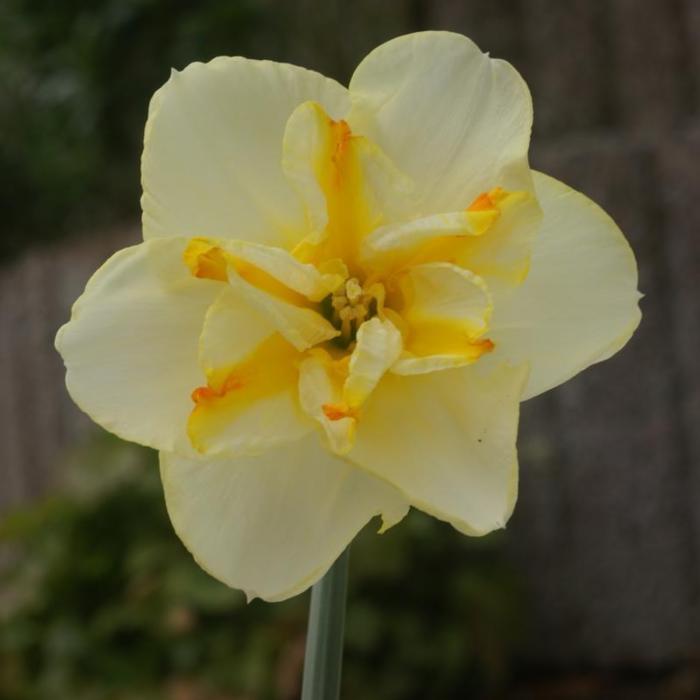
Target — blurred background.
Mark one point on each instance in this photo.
(593, 591)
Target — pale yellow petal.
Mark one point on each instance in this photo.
(272, 525)
(447, 441)
(502, 254)
(492, 237)
(308, 147)
(402, 243)
(333, 391)
(348, 185)
(303, 278)
(130, 348)
(231, 331)
(213, 146)
(378, 347)
(446, 311)
(301, 326)
(579, 303)
(454, 120)
(321, 381)
(270, 269)
(249, 402)
(251, 407)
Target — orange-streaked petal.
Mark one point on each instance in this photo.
(250, 406)
(347, 183)
(333, 391)
(270, 269)
(510, 221)
(492, 237)
(445, 311)
(321, 380)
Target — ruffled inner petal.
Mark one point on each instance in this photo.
(332, 391)
(348, 185)
(249, 403)
(445, 312)
(492, 237)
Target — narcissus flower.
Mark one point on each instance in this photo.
(341, 299)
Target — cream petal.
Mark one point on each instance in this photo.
(414, 364)
(579, 303)
(454, 120)
(348, 185)
(245, 423)
(272, 525)
(130, 348)
(307, 150)
(321, 385)
(446, 440)
(442, 292)
(332, 392)
(250, 401)
(301, 326)
(268, 268)
(212, 154)
(231, 331)
(502, 254)
(493, 241)
(397, 244)
(446, 310)
(378, 347)
(303, 278)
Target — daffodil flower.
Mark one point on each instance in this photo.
(341, 299)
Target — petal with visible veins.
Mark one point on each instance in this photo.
(272, 525)
(579, 304)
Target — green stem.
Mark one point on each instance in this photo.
(324, 640)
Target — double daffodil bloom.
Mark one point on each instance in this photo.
(341, 299)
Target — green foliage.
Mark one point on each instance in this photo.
(75, 80)
(100, 600)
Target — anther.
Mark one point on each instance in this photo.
(354, 290)
(350, 306)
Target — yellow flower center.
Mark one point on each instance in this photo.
(349, 306)
(360, 295)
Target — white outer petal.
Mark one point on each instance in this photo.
(272, 525)
(212, 154)
(456, 121)
(447, 441)
(130, 348)
(579, 303)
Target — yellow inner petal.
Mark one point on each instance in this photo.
(338, 158)
(270, 369)
(208, 260)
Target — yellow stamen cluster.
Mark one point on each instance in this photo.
(351, 305)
